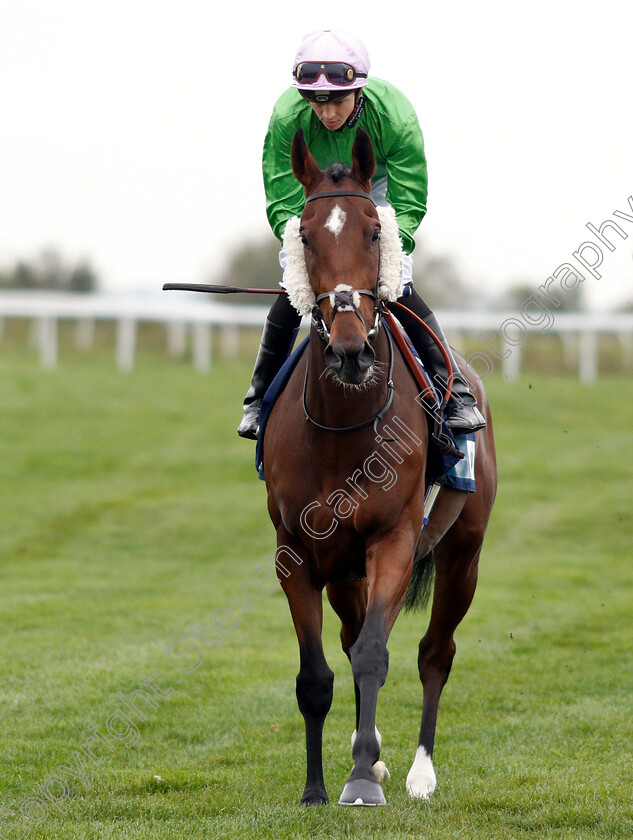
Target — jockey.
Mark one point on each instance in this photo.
(331, 96)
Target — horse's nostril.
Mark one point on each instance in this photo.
(334, 357)
(366, 357)
(350, 364)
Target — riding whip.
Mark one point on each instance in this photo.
(218, 290)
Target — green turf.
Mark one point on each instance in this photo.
(131, 510)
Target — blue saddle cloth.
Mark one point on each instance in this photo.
(446, 469)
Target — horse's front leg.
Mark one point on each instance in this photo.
(315, 679)
(349, 601)
(388, 572)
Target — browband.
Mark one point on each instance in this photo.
(337, 193)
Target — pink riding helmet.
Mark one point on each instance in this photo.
(331, 46)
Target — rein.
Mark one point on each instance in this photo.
(375, 419)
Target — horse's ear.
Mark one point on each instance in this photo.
(363, 160)
(304, 166)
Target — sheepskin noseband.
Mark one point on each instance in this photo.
(296, 281)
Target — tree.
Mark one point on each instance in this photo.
(514, 298)
(50, 271)
(437, 278)
(254, 266)
(23, 276)
(82, 278)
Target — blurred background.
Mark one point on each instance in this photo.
(130, 156)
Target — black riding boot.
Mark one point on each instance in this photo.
(462, 414)
(278, 338)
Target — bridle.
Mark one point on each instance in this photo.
(375, 419)
(342, 300)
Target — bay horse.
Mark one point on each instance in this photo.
(346, 451)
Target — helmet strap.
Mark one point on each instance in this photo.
(356, 113)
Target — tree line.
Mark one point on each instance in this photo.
(437, 277)
(50, 270)
(256, 265)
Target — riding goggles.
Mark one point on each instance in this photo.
(336, 72)
(325, 95)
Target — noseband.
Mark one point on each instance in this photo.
(346, 299)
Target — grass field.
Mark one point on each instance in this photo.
(131, 513)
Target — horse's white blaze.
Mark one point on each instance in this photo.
(380, 768)
(336, 221)
(421, 780)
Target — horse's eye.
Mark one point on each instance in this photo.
(304, 239)
(375, 235)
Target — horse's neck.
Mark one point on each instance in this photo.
(332, 404)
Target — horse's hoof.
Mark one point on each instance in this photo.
(362, 792)
(315, 796)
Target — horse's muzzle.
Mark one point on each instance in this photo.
(351, 365)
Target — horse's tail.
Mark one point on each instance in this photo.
(421, 583)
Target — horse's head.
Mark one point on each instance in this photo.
(340, 231)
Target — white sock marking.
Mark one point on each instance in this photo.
(421, 780)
